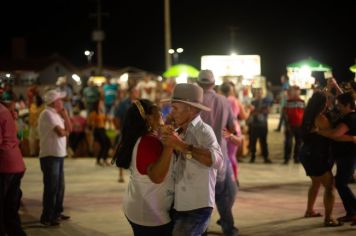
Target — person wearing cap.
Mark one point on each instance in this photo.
(53, 127)
(12, 169)
(198, 157)
(221, 118)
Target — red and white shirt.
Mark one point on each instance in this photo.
(147, 203)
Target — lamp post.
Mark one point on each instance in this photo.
(175, 54)
(167, 33)
(89, 55)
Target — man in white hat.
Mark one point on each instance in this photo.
(53, 126)
(198, 159)
(220, 118)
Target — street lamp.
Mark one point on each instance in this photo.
(175, 54)
(89, 55)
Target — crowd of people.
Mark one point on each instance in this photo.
(181, 148)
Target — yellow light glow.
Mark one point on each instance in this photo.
(98, 80)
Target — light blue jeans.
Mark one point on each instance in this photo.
(191, 223)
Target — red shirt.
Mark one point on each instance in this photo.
(294, 110)
(78, 124)
(11, 160)
(148, 151)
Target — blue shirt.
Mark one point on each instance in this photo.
(110, 91)
(121, 109)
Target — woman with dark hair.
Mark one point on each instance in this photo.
(150, 193)
(344, 153)
(316, 157)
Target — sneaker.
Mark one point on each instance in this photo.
(50, 223)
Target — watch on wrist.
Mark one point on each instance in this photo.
(189, 153)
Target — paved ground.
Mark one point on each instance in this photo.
(271, 200)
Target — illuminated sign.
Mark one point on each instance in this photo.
(247, 66)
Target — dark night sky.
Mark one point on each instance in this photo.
(280, 32)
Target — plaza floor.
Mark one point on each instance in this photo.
(271, 199)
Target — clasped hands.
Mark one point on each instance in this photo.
(170, 138)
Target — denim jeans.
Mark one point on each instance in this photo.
(191, 223)
(10, 196)
(288, 143)
(345, 169)
(258, 133)
(225, 193)
(53, 193)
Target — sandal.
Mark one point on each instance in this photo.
(332, 223)
(312, 214)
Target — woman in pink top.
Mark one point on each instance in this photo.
(233, 141)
